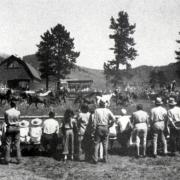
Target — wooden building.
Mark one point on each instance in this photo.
(16, 73)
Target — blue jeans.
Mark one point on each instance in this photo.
(12, 137)
(101, 135)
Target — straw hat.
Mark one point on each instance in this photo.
(23, 124)
(158, 101)
(36, 122)
(172, 101)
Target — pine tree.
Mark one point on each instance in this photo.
(178, 52)
(123, 48)
(56, 53)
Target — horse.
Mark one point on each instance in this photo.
(124, 98)
(5, 96)
(40, 99)
(61, 95)
(90, 98)
(106, 98)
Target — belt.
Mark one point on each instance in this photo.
(17, 125)
(102, 125)
(140, 123)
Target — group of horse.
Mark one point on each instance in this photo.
(120, 98)
(33, 97)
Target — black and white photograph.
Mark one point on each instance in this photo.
(89, 90)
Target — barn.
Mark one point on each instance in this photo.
(16, 73)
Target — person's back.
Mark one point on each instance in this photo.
(102, 116)
(123, 123)
(103, 119)
(50, 131)
(158, 119)
(68, 127)
(50, 126)
(12, 133)
(173, 123)
(139, 120)
(12, 116)
(124, 129)
(83, 119)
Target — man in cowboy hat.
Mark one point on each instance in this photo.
(11, 117)
(174, 124)
(103, 119)
(50, 131)
(158, 120)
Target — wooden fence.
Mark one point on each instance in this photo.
(58, 118)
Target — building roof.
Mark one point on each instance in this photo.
(77, 81)
(31, 71)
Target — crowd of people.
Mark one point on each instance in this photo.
(84, 133)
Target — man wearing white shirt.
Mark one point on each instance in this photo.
(50, 130)
(124, 129)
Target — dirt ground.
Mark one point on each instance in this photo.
(120, 165)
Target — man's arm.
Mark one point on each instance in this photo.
(170, 119)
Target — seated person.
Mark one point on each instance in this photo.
(24, 131)
(50, 131)
(36, 131)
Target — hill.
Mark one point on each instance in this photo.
(78, 72)
(140, 74)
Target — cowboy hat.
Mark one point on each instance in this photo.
(36, 122)
(172, 101)
(158, 101)
(23, 124)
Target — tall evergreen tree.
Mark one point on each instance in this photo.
(56, 53)
(44, 56)
(157, 77)
(123, 48)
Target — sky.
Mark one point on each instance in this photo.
(157, 28)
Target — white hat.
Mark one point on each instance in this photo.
(158, 101)
(172, 101)
(123, 111)
(23, 124)
(36, 122)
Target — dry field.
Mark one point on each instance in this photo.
(120, 166)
